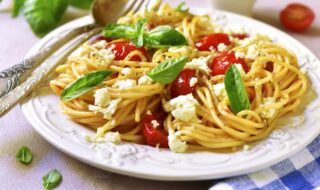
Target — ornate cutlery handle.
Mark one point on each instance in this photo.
(8, 101)
(16, 74)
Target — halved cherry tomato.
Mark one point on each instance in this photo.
(155, 136)
(122, 48)
(240, 36)
(212, 41)
(297, 17)
(221, 63)
(181, 85)
(98, 38)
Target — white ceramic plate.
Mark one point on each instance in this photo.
(43, 112)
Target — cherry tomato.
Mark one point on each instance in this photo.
(212, 41)
(181, 85)
(297, 17)
(240, 36)
(221, 63)
(155, 136)
(98, 38)
(122, 48)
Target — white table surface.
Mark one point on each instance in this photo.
(16, 39)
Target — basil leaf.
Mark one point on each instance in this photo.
(24, 155)
(168, 70)
(139, 26)
(164, 36)
(44, 16)
(51, 179)
(17, 7)
(120, 31)
(180, 8)
(236, 91)
(84, 84)
(82, 4)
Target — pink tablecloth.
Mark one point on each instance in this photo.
(16, 39)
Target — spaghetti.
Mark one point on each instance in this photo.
(200, 120)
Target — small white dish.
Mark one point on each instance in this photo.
(43, 112)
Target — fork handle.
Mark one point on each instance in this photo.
(15, 96)
(15, 75)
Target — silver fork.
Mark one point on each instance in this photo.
(18, 81)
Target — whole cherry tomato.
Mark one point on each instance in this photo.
(221, 63)
(181, 85)
(212, 41)
(297, 17)
(155, 135)
(122, 48)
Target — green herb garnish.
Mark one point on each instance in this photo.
(180, 8)
(24, 155)
(51, 179)
(236, 91)
(159, 37)
(84, 84)
(167, 71)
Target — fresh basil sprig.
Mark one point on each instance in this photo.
(24, 155)
(51, 179)
(159, 37)
(236, 91)
(180, 8)
(168, 70)
(84, 84)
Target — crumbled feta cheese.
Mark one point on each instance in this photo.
(252, 52)
(183, 50)
(175, 144)
(239, 55)
(124, 84)
(145, 80)
(220, 91)
(113, 137)
(155, 123)
(80, 52)
(183, 107)
(103, 57)
(102, 97)
(112, 47)
(222, 47)
(267, 112)
(126, 71)
(193, 81)
(200, 64)
(106, 111)
(100, 44)
(240, 69)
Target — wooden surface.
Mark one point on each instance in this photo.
(16, 39)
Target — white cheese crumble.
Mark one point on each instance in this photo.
(239, 55)
(252, 52)
(126, 71)
(220, 91)
(200, 64)
(102, 97)
(124, 84)
(100, 44)
(240, 69)
(80, 52)
(113, 137)
(193, 81)
(145, 80)
(183, 50)
(175, 144)
(183, 107)
(107, 111)
(155, 123)
(222, 47)
(103, 57)
(267, 112)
